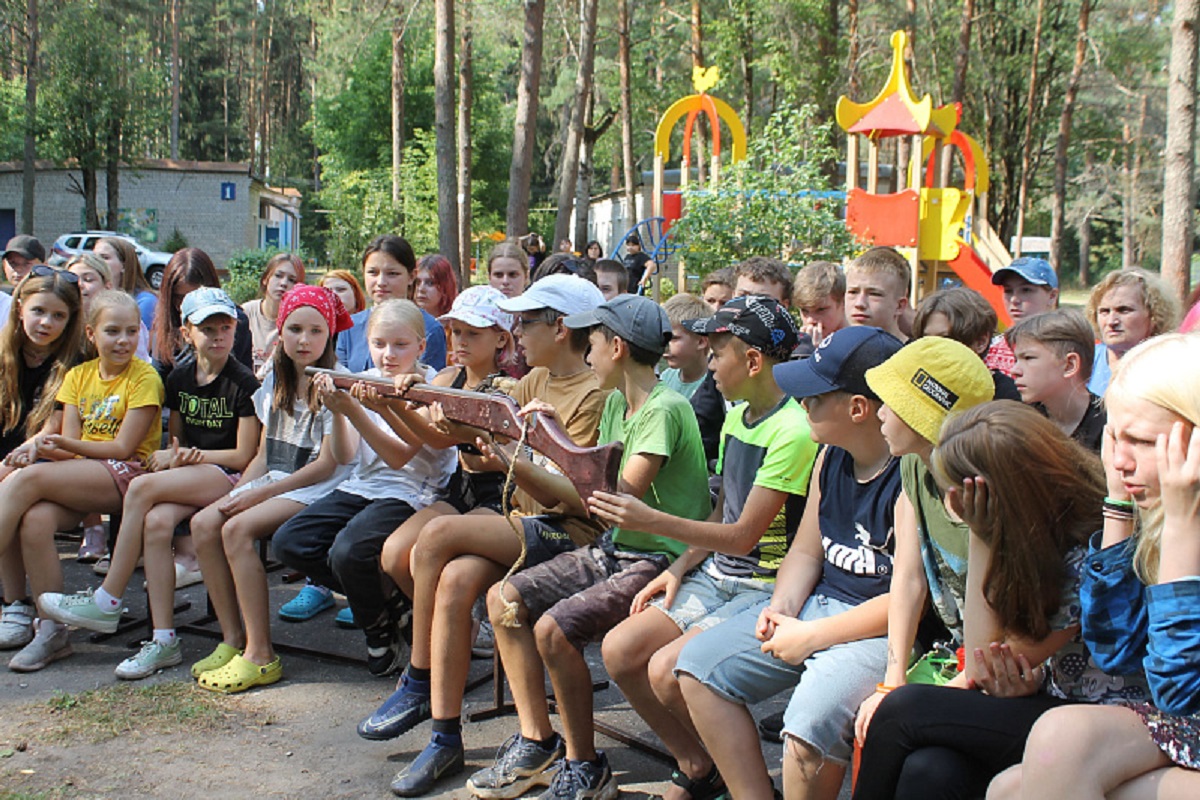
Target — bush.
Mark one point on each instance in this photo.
(175, 242)
(245, 267)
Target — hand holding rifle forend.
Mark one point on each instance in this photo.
(589, 469)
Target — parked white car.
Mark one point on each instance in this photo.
(70, 244)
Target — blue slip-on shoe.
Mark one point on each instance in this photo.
(307, 604)
(435, 762)
(345, 619)
(405, 709)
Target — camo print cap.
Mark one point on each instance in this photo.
(761, 322)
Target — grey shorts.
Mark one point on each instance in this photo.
(586, 591)
(544, 539)
(705, 600)
(827, 688)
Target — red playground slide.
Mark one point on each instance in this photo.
(976, 275)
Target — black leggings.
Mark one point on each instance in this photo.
(935, 743)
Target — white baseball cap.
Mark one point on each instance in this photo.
(477, 306)
(566, 294)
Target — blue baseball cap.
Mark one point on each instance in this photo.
(839, 364)
(636, 319)
(200, 304)
(1035, 270)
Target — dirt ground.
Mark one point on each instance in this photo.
(74, 731)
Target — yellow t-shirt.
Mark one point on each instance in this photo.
(103, 403)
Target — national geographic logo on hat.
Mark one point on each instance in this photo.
(934, 389)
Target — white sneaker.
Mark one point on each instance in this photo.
(153, 657)
(49, 644)
(16, 625)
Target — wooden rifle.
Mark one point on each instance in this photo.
(590, 469)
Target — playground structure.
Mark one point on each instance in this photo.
(942, 229)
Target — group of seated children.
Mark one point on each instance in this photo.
(916, 541)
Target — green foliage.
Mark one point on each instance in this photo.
(245, 268)
(12, 119)
(766, 204)
(175, 242)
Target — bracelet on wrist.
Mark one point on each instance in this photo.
(883, 688)
(1118, 503)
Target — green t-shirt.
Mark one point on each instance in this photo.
(944, 543)
(664, 426)
(674, 380)
(775, 452)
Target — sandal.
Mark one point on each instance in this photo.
(710, 787)
(310, 601)
(215, 660)
(239, 675)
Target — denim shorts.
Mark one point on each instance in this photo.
(827, 688)
(705, 600)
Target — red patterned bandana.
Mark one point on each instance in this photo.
(320, 298)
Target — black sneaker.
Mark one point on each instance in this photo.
(520, 765)
(385, 650)
(399, 609)
(582, 780)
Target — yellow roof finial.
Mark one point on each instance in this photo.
(705, 78)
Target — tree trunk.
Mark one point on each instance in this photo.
(903, 151)
(1027, 145)
(29, 165)
(701, 130)
(962, 58)
(466, 95)
(525, 125)
(852, 48)
(1131, 251)
(443, 100)
(1059, 209)
(583, 183)
(747, 59)
(175, 79)
(623, 58)
(1179, 163)
(569, 172)
(397, 103)
(1127, 198)
(91, 217)
(1085, 227)
(112, 175)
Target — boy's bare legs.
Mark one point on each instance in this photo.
(629, 650)
(441, 540)
(396, 557)
(240, 536)
(731, 739)
(807, 775)
(462, 580)
(572, 681)
(523, 666)
(218, 579)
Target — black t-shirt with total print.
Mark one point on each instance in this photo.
(211, 412)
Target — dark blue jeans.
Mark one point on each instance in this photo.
(337, 540)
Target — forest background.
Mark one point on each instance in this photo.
(374, 108)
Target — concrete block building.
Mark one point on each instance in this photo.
(220, 207)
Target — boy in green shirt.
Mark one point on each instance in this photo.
(576, 597)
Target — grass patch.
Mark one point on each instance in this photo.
(119, 709)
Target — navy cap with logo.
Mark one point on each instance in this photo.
(839, 363)
(761, 322)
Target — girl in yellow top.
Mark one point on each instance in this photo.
(111, 423)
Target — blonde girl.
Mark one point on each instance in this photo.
(213, 433)
(1140, 596)
(40, 343)
(110, 426)
(298, 461)
(337, 540)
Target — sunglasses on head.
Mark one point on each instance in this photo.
(43, 271)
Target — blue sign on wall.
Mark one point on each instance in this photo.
(228, 191)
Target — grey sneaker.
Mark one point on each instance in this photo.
(521, 764)
(80, 610)
(583, 780)
(47, 646)
(16, 625)
(153, 657)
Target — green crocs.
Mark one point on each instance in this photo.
(215, 660)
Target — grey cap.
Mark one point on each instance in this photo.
(26, 245)
(636, 319)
